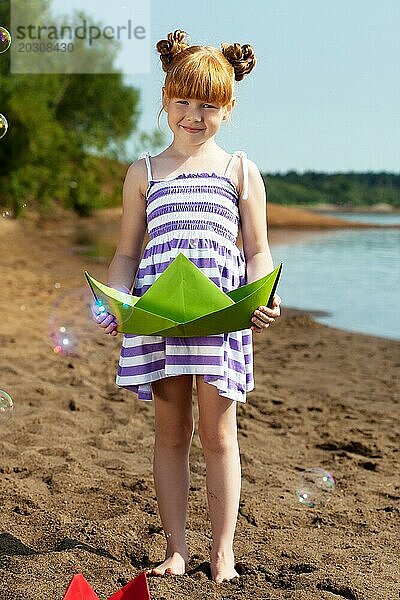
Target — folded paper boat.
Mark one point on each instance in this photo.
(137, 589)
(80, 589)
(184, 302)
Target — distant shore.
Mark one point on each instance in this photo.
(379, 208)
(312, 218)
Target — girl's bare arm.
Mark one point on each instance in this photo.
(253, 214)
(123, 267)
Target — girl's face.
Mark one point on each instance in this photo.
(194, 120)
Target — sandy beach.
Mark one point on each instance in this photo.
(76, 487)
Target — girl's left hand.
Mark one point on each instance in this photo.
(264, 316)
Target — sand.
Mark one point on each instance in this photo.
(76, 487)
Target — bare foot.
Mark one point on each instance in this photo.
(173, 565)
(223, 568)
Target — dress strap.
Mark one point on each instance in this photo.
(230, 165)
(146, 156)
(245, 168)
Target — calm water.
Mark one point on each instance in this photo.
(352, 275)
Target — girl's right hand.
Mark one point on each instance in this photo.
(106, 320)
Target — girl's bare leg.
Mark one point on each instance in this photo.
(173, 420)
(218, 435)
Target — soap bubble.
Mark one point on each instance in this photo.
(315, 487)
(5, 39)
(6, 214)
(69, 321)
(65, 341)
(6, 407)
(3, 126)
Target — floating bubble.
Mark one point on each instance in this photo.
(3, 126)
(6, 407)
(70, 321)
(315, 487)
(65, 341)
(57, 285)
(6, 214)
(5, 39)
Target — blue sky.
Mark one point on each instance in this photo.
(325, 94)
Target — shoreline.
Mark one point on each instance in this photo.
(280, 216)
(379, 208)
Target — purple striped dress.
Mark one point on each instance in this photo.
(196, 214)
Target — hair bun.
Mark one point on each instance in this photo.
(169, 48)
(242, 58)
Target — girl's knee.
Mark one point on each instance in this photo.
(173, 416)
(179, 436)
(218, 441)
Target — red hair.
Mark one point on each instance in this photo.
(203, 72)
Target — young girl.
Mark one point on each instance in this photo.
(192, 197)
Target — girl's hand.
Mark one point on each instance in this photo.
(106, 320)
(264, 316)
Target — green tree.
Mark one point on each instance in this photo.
(59, 126)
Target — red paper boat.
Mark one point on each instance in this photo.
(137, 589)
(80, 589)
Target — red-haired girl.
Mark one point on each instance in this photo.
(192, 198)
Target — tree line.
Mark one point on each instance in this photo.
(350, 189)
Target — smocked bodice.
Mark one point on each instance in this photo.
(205, 203)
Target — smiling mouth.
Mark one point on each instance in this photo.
(192, 128)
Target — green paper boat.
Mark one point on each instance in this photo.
(184, 302)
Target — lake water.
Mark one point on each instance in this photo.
(351, 275)
(349, 279)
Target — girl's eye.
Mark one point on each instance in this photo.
(206, 104)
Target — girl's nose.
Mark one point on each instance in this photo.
(194, 114)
